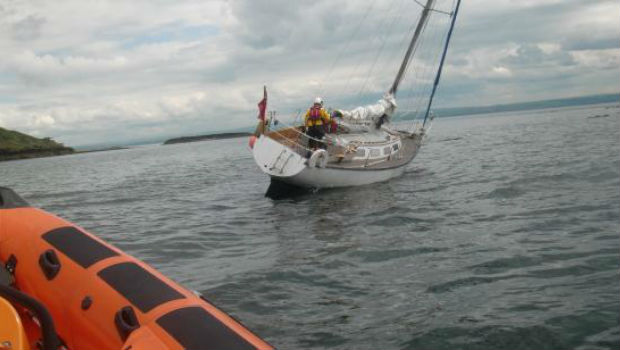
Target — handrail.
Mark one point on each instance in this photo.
(297, 143)
(354, 143)
(290, 140)
(294, 128)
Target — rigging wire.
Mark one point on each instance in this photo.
(416, 96)
(442, 61)
(434, 9)
(423, 71)
(403, 43)
(397, 59)
(440, 37)
(416, 91)
(383, 34)
(419, 3)
(345, 48)
(381, 49)
(361, 60)
(417, 72)
(413, 47)
(424, 39)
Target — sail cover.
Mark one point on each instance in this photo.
(385, 106)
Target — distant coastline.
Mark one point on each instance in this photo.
(526, 106)
(113, 148)
(34, 153)
(208, 137)
(16, 145)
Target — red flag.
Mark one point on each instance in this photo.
(262, 105)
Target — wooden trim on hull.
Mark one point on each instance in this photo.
(286, 165)
(410, 148)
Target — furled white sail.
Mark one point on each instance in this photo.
(385, 106)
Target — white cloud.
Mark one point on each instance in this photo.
(598, 59)
(30, 64)
(43, 121)
(119, 70)
(549, 48)
(502, 71)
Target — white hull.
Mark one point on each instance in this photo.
(284, 164)
(333, 177)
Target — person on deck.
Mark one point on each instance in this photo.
(315, 121)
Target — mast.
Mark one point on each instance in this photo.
(443, 58)
(414, 40)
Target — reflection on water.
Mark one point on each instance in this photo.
(278, 190)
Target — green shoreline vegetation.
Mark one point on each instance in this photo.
(15, 145)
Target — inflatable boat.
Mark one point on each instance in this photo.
(63, 288)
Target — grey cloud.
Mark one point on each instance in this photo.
(225, 73)
(291, 46)
(28, 28)
(552, 22)
(530, 56)
(592, 43)
(262, 26)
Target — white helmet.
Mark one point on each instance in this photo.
(318, 101)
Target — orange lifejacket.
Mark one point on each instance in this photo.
(316, 115)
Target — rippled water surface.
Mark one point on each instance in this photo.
(504, 233)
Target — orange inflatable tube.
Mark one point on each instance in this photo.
(100, 297)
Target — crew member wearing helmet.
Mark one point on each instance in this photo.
(315, 121)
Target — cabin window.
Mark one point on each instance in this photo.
(395, 146)
(386, 151)
(361, 152)
(374, 152)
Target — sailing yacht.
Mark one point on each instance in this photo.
(366, 149)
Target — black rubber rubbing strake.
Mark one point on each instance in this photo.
(78, 246)
(139, 286)
(195, 328)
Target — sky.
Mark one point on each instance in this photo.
(113, 72)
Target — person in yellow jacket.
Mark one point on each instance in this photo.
(315, 122)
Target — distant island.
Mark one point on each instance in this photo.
(15, 145)
(112, 148)
(228, 135)
(524, 106)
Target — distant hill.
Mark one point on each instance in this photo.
(219, 136)
(557, 103)
(15, 145)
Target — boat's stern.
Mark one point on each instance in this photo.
(276, 159)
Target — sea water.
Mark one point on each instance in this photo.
(504, 233)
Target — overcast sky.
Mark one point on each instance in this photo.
(88, 72)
